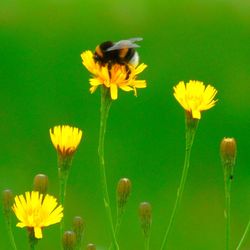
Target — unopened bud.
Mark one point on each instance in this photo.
(69, 240)
(41, 183)
(145, 213)
(123, 191)
(78, 227)
(91, 247)
(8, 201)
(228, 152)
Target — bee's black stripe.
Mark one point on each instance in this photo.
(129, 55)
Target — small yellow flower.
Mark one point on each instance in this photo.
(194, 97)
(65, 139)
(37, 211)
(118, 76)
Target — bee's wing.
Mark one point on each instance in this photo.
(129, 43)
(135, 39)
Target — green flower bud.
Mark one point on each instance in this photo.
(69, 240)
(228, 152)
(41, 183)
(78, 227)
(8, 201)
(123, 191)
(145, 213)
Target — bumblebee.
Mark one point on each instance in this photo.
(122, 52)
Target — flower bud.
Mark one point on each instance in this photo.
(228, 151)
(123, 191)
(69, 240)
(65, 139)
(78, 227)
(91, 247)
(41, 183)
(145, 213)
(8, 201)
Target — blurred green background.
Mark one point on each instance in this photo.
(43, 84)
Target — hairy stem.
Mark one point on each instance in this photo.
(105, 106)
(191, 126)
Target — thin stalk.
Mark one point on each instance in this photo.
(63, 178)
(105, 106)
(32, 240)
(191, 125)
(120, 213)
(146, 243)
(10, 233)
(32, 246)
(228, 211)
(243, 236)
(64, 164)
(63, 186)
(118, 224)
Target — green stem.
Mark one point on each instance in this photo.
(191, 126)
(63, 186)
(119, 216)
(105, 106)
(228, 210)
(10, 233)
(32, 246)
(146, 243)
(64, 164)
(120, 213)
(32, 240)
(62, 194)
(243, 236)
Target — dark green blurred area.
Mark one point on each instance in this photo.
(43, 84)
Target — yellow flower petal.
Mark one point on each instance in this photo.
(113, 91)
(140, 68)
(95, 81)
(126, 88)
(140, 84)
(92, 89)
(38, 232)
(196, 114)
(20, 224)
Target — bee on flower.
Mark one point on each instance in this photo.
(115, 65)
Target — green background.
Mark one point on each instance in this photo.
(43, 84)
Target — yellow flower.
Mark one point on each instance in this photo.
(118, 76)
(37, 211)
(65, 139)
(194, 97)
